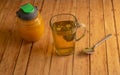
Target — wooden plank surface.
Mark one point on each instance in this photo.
(101, 17)
(13, 43)
(4, 28)
(116, 8)
(98, 59)
(82, 62)
(112, 46)
(3, 34)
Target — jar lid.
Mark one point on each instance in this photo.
(27, 12)
(27, 8)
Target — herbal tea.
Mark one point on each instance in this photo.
(64, 34)
(64, 27)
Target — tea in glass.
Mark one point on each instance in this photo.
(64, 27)
(64, 34)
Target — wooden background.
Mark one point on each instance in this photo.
(18, 57)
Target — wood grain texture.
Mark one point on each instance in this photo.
(11, 48)
(81, 61)
(4, 32)
(23, 58)
(116, 8)
(101, 17)
(112, 50)
(98, 59)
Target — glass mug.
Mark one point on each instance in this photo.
(64, 27)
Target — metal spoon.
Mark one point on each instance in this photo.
(91, 50)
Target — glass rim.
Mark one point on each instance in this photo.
(62, 14)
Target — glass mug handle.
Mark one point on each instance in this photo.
(84, 27)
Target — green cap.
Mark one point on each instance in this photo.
(27, 8)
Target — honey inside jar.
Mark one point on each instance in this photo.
(30, 24)
(31, 30)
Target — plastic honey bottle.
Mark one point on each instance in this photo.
(30, 25)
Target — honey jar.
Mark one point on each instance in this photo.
(30, 25)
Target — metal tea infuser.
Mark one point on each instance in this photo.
(91, 49)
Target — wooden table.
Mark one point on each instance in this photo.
(18, 57)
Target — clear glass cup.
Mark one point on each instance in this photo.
(64, 27)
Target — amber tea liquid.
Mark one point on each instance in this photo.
(64, 34)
